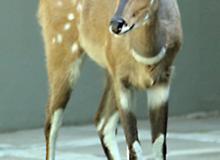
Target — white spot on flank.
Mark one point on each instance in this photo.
(79, 7)
(55, 125)
(74, 48)
(59, 38)
(138, 151)
(158, 95)
(158, 147)
(67, 26)
(70, 16)
(110, 138)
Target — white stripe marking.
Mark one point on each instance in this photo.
(158, 148)
(110, 138)
(138, 150)
(55, 125)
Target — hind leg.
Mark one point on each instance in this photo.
(106, 121)
(61, 80)
(63, 64)
(61, 83)
(64, 58)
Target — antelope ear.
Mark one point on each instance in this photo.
(154, 5)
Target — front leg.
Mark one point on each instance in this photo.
(124, 96)
(158, 110)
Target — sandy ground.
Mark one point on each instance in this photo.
(188, 138)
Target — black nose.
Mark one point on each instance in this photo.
(116, 25)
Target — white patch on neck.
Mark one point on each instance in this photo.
(158, 95)
(67, 26)
(151, 60)
(55, 125)
(158, 147)
(138, 151)
(109, 136)
(70, 16)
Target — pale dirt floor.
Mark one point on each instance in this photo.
(188, 138)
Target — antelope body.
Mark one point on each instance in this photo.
(135, 41)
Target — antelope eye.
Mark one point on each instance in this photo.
(138, 11)
(135, 13)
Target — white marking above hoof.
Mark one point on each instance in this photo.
(158, 147)
(138, 150)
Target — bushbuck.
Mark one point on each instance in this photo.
(135, 41)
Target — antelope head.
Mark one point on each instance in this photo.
(131, 14)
